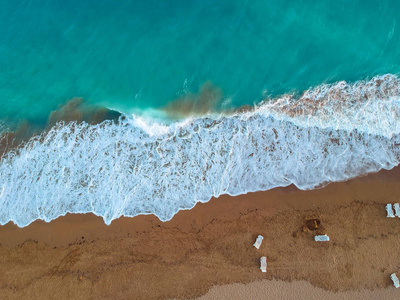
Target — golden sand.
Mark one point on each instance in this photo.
(79, 257)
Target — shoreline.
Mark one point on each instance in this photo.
(80, 256)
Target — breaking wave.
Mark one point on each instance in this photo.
(131, 167)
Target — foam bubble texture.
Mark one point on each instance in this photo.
(368, 106)
(332, 133)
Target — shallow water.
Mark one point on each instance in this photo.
(131, 167)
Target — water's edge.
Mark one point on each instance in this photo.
(134, 166)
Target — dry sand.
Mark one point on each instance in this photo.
(273, 289)
(78, 257)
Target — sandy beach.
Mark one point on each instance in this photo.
(79, 257)
(274, 289)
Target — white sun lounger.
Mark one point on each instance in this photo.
(321, 238)
(263, 262)
(258, 242)
(389, 210)
(396, 207)
(395, 280)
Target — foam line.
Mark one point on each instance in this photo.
(331, 133)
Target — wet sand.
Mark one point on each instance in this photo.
(79, 257)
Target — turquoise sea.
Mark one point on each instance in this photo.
(321, 78)
(136, 55)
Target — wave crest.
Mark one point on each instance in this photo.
(331, 133)
(369, 106)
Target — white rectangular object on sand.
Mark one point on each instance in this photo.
(396, 207)
(258, 242)
(389, 211)
(263, 262)
(395, 280)
(321, 238)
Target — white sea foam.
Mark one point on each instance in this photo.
(332, 133)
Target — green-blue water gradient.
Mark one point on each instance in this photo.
(131, 55)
